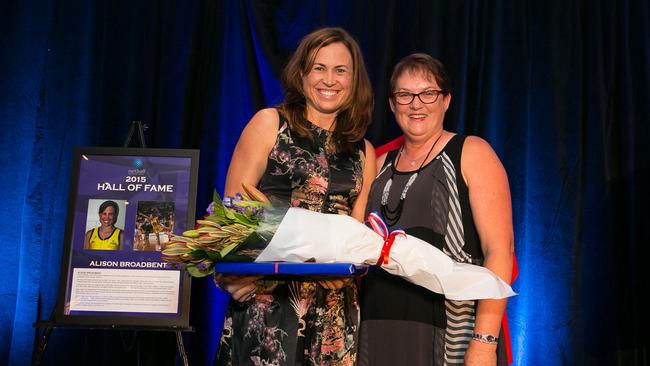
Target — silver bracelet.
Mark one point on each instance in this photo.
(485, 338)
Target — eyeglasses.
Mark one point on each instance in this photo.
(426, 97)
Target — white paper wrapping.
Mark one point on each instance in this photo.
(304, 235)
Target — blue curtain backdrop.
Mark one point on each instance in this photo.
(560, 88)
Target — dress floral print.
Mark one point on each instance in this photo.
(310, 170)
(300, 322)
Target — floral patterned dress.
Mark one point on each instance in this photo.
(298, 322)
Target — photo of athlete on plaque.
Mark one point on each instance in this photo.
(154, 223)
(103, 225)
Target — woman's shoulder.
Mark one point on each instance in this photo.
(262, 128)
(267, 119)
(475, 147)
(379, 162)
(479, 157)
(385, 158)
(259, 134)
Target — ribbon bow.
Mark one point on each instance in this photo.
(379, 226)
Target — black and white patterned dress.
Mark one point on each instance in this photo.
(402, 323)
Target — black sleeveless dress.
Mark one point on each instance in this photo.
(299, 322)
(402, 323)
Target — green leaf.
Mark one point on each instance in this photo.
(191, 234)
(219, 208)
(196, 272)
(237, 258)
(254, 241)
(214, 256)
(224, 252)
(229, 214)
(240, 218)
(198, 255)
(175, 251)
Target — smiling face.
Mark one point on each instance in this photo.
(107, 217)
(419, 121)
(327, 84)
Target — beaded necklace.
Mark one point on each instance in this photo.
(392, 216)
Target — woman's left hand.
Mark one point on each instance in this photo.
(335, 283)
(480, 354)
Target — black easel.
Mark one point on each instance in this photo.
(140, 128)
(49, 325)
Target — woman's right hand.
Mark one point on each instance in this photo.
(241, 288)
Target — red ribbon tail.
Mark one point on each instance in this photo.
(385, 250)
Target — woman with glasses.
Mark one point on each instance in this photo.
(308, 152)
(451, 191)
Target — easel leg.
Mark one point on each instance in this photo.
(36, 360)
(181, 347)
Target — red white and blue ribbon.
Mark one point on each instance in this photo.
(379, 226)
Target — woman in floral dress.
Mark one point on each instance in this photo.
(308, 152)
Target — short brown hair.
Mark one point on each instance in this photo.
(356, 112)
(107, 204)
(423, 63)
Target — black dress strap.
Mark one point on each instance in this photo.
(390, 157)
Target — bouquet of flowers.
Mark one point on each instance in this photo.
(235, 229)
(248, 228)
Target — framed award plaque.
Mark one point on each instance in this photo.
(124, 204)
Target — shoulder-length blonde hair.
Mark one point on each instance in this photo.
(356, 112)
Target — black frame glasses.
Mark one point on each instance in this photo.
(428, 96)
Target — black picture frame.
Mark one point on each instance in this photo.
(171, 176)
